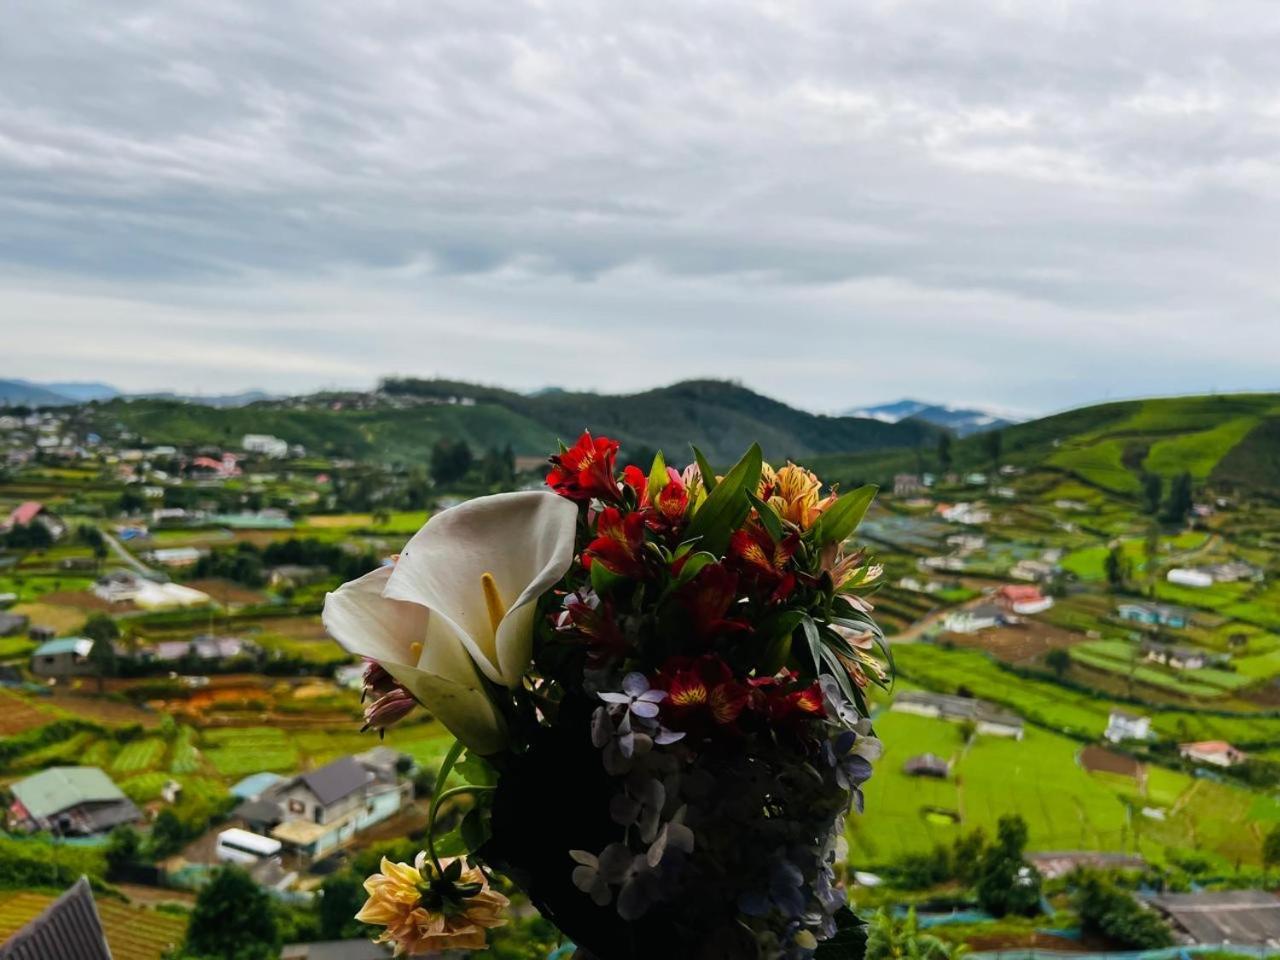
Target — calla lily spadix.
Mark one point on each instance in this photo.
(460, 603)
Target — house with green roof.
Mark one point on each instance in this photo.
(64, 657)
(70, 801)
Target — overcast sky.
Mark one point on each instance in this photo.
(1027, 205)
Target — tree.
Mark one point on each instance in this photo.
(1152, 491)
(232, 918)
(1006, 884)
(1108, 911)
(1115, 567)
(167, 834)
(944, 451)
(450, 461)
(102, 630)
(341, 897)
(1178, 504)
(993, 443)
(1059, 661)
(966, 729)
(1271, 847)
(123, 847)
(966, 855)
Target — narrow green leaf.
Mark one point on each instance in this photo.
(704, 468)
(658, 475)
(842, 517)
(727, 505)
(602, 579)
(815, 642)
(769, 518)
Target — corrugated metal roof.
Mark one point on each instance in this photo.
(68, 929)
(80, 646)
(1225, 916)
(53, 790)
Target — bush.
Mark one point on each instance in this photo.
(1107, 910)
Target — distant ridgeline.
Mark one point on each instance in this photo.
(403, 419)
(1231, 442)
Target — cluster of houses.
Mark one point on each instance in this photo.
(1232, 571)
(67, 657)
(1123, 726)
(1006, 607)
(309, 814)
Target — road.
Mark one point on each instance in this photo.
(128, 558)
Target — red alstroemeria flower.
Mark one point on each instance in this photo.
(619, 543)
(801, 704)
(637, 480)
(591, 618)
(764, 561)
(700, 693)
(708, 597)
(585, 470)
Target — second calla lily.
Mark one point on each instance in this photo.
(461, 602)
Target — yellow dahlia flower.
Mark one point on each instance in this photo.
(425, 911)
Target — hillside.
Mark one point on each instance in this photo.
(1229, 441)
(401, 423)
(961, 421)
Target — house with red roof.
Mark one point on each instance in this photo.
(1219, 753)
(33, 511)
(1024, 598)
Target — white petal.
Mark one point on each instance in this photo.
(525, 540)
(368, 624)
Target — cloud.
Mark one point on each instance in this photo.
(1028, 205)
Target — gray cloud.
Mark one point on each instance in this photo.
(1032, 205)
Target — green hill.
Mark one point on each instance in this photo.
(1229, 441)
(404, 420)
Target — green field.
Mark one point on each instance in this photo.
(1061, 708)
(1126, 659)
(138, 756)
(239, 752)
(1066, 808)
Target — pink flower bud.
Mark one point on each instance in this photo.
(388, 710)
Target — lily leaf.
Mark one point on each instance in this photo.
(727, 505)
(842, 517)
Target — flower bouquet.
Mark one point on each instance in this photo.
(656, 681)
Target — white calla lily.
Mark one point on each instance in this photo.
(460, 601)
(480, 568)
(436, 670)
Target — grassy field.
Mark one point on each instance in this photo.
(1066, 808)
(1061, 708)
(1126, 659)
(241, 751)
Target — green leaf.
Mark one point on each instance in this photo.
(769, 518)
(815, 642)
(693, 566)
(602, 579)
(658, 475)
(704, 469)
(476, 770)
(842, 517)
(727, 505)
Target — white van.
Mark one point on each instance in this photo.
(241, 846)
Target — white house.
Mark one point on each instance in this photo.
(265, 444)
(1127, 726)
(978, 618)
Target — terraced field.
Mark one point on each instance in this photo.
(133, 933)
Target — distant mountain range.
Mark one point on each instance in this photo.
(959, 420)
(68, 393)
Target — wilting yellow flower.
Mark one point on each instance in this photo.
(796, 496)
(768, 477)
(425, 912)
